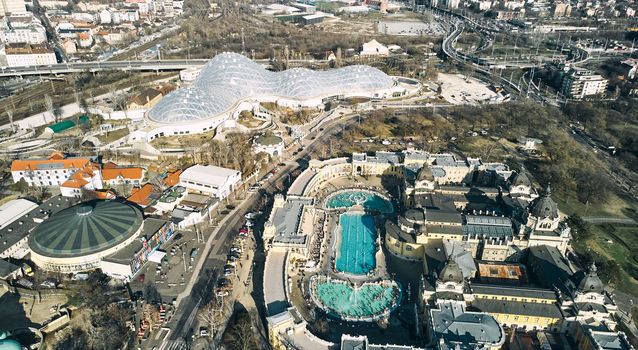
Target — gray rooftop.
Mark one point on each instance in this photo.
(610, 340)
(488, 220)
(550, 269)
(517, 308)
(275, 292)
(20, 228)
(434, 215)
(287, 220)
(487, 231)
(126, 254)
(422, 156)
(349, 342)
(438, 171)
(7, 268)
(448, 160)
(524, 292)
(299, 185)
(359, 157)
(463, 329)
(395, 232)
(379, 157)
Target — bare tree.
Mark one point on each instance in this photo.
(241, 336)
(158, 183)
(48, 103)
(87, 195)
(212, 316)
(10, 115)
(39, 193)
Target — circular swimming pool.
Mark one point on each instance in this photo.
(366, 302)
(368, 199)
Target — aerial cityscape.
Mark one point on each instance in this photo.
(318, 174)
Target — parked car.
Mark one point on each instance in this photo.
(222, 282)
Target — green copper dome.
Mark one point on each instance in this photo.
(85, 228)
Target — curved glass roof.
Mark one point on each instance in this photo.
(230, 77)
(85, 228)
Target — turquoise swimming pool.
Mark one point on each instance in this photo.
(361, 303)
(356, 253)
(369, 200)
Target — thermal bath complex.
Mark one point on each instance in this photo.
(323, 239)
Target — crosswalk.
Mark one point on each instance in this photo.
(174, 345)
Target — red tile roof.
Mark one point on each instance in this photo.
(142, 196)
(124, 172)
(32, 164)
(172, 179)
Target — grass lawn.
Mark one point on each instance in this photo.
(250, 122)
(618, 243)
(183, 141)
(483, 146)
(617, 206)
(113, 135)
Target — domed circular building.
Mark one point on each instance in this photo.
(77, 238)
(269, 143)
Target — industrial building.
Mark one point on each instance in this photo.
(212, 180)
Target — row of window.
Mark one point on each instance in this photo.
(199, 184)
(524, 300)
(45, 171)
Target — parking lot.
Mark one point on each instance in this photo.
(169, 277)
(457, 90)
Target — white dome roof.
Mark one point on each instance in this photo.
(230, 77)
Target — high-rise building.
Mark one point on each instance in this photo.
(580, 83)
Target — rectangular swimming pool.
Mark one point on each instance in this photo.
(356, 252)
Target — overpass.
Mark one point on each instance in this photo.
(97, 66)
(73, 67)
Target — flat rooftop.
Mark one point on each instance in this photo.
(12, 210)
(517, 308)
(502, 271)
(288, 219)
(22, 227)
(275, 293)
(301, 182)
(125, 255)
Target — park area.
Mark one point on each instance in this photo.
(617, 243)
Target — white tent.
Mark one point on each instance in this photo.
(156, 256)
